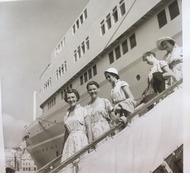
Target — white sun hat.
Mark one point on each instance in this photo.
(160, 40)
(112, 70)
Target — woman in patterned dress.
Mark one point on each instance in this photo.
(78, 130)
(99, 110)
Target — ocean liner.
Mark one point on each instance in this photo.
(106, 34)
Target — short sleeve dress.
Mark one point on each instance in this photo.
(118, 97)
(99, 115)
(175, 61)
(77, 138)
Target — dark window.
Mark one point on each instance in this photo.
(81, 80)
(81, 19)
(162, 20)
(122, 7)
(85, 77)
(132, 40)
(94, 70)
(115, 15)
(75, 56)
(77, 23)
(108, 20)
(83, 48)
(173, 9)
(103, 30)
(74, 30)
(79, 52)
(117, 52)
(90, 73)
(125, 47)
(85, 13)
(87, 43)
(111, 57)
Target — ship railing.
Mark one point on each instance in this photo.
(50, 167)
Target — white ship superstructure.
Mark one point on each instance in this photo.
(106, 34)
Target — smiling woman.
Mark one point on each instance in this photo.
(77, 125)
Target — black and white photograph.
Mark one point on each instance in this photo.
(90, 86)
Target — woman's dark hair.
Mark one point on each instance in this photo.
(72, 91)
(148, 54)
(92, 83)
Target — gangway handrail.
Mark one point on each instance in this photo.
(71, 159)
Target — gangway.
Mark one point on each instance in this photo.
(171, 96)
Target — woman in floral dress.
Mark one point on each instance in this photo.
(78, 131)
(99, 110)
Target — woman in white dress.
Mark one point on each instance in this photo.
(174, 55)
(121, 95)
(78, 130)
(99, 110)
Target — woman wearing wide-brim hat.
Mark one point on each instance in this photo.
(173, 57)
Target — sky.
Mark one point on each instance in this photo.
(29, 31)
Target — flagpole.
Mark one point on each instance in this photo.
(2, 154)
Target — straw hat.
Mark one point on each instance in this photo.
(159, 42)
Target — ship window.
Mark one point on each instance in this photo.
(94, 70)
(81, 80)
(79, 52)
(81, 19)
(173, 9)
(75, 55)
(74, 29)
(108, 21)
(115, 15)
(132, 39)
(122, 7)
(138, 77)
(83, 48)
(62, 94)
(87, 43)
(77, 23)
(111, 57)
(162, 20)
(90, 73)
(85, 13)
(85, 77)
(124, 47)
(103, 30)
(117, 52)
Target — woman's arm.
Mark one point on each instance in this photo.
(127, 92)
(88, 127)
(168, 73)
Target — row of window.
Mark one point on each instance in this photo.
(29, 169)
(79, 21)
(115, 54)
(88, 74)
(173, 10)
(81, 49)
(47, 84)
(112, 17)
(64, 90)
(60, 46)
(52, 102)
(61, 70)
